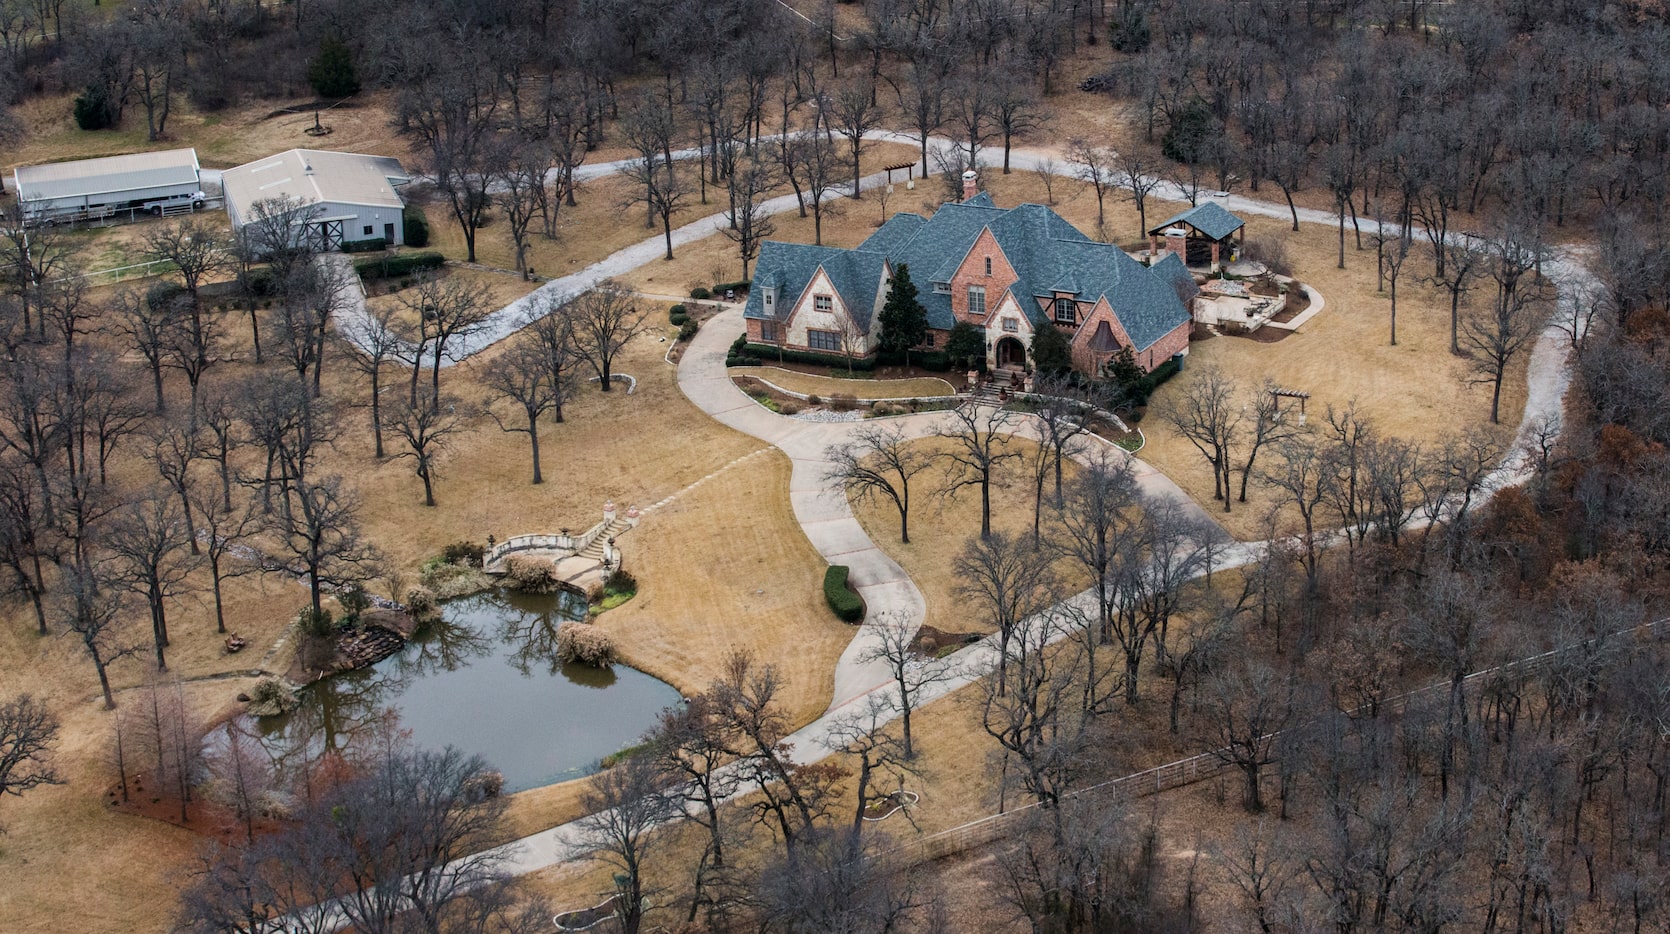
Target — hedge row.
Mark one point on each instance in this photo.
(766, 353)
(1138, 392)
(402, 264)
(847, 605)
(365, 246)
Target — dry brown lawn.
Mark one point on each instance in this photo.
(857, 388)
(634, 449)
(940, 527)
(231, 137)
(603, 221)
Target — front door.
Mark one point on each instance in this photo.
(1011, 353)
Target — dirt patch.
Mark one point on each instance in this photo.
(1264, 335)
(203, 817)
(933, 642)
(1297, 301)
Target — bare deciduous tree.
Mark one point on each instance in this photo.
(626, 804)
(28, 731)
(979, 445)
(879, 463)
(426, 428)
(604, 320)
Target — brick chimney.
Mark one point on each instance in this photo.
(1177, 242)
(971, 184)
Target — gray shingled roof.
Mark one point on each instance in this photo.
(1047, 253)
(1209, 218)
(1171, 268)
(107, 175)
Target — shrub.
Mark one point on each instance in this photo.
(881, 409)
(398, 265)
(764, 352)
(331, 72)
(582, 643)
(679, 319)
(621, 581)
(354, 601)
(843, 402)
(935, 361)
(687, 330)
(365, 246)
(790, 407)
(698, 293)
(93, 109)
(269, 698)
(814, 399)
(678, 309)
(420, 602)
(454, 580)
(318, 625)
(531, 575)
(1271, 251)
(847, 605)
(415, 226)
(465, 553)
(724, 287)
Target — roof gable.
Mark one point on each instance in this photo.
(1210, 218)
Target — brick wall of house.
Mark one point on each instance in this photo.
(973, 272)
(754, 335)
(1089, 362)
(1173, 343)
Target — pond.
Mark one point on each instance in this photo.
(485, 679)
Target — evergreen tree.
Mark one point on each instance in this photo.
(1122, 368)
(1051, 354)
(904, 322)
(966, 346)
(332, 71)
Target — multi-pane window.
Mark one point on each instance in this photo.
(1066, 311)
(988, 265)
(1011, 325)
(368, 230)
(768, 330)
(823, 303)
(930, 338)
(824, 340)
(977, 300)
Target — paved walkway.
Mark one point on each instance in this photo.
(821, 506)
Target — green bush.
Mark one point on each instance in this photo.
(319, 625)
(687, 330)
(465, 553)
(621, 581)
(400, 264)
(354, 601)
(372, 245)
(678, 317)
(331, 72)
(724, 287)
(675, 312)
(847, 605)
(94, 109)
(415, 226)
(765, 352)
(700, 293)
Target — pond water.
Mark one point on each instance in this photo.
(485, 679)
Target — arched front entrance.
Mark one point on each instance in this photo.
(1010, 353)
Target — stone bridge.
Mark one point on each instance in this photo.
(581, 559)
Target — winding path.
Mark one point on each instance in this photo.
(820, 504)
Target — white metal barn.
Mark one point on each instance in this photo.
(90, 189)
(349, 196)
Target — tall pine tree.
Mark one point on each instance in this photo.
(904, 322)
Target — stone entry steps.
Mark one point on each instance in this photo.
(594, 551)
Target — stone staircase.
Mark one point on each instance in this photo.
(594, 551)
(990, 392)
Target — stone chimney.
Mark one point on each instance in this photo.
(971, 184)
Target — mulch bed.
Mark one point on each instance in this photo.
(1297, 301)
(931, 642)
(880, 372)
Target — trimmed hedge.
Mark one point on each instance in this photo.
(766, 352)
(415, 226)
(847, 605)
(1138, 392)
(674, 312)
(365, 246)
(936, 361)
(678, 318)
(687, 330)
(401, 264)
(724, 287)
(700, 293)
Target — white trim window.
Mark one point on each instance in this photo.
(1066, 311)
(768, 331)
(1011, 326)
(823, 303)
(977, 301)
(828, 341)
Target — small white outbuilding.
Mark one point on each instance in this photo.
(158, 183)
(347, 197)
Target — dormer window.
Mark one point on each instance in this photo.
(943, 288)
(1066, 311)
(768, 298)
